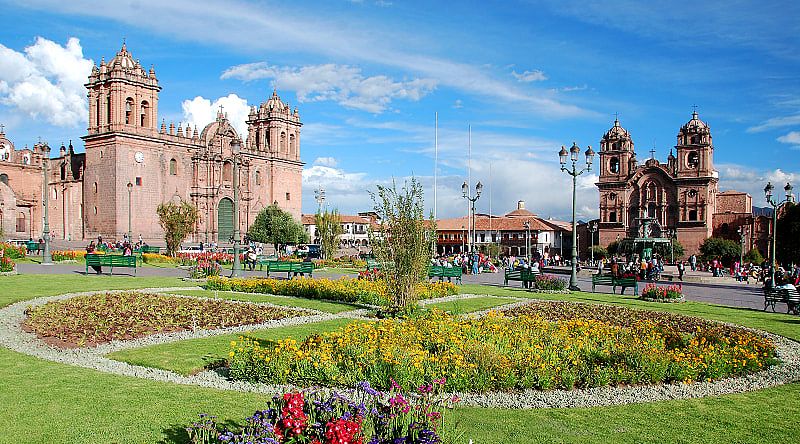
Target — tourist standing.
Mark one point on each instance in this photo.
(693, 262)
(681, 270)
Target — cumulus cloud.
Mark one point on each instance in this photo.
(343, 84)
(775, 122)
(326, 161)
(529, 76)
(752, 181)
(46, 81)
(201, 111)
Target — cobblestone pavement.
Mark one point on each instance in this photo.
(702, 288)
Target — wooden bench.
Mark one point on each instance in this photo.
(789, 296)
(110, 260)
(372, 264)
(290, 267)
(610, 280)
(524, 276)
(445, 272)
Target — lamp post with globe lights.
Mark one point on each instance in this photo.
(572, 156)
(776, 206)
(236, 271)
(47, 259)
(465, 192)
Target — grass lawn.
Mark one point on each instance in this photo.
(28, 286)
(55, 403)
(327, 307)
(462, 306)
(189, 356)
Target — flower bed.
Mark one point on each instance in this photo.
(342, 290)
(670, 293)
(205, 269)
(104, 317)
(549, 283)
(341, 262)
(68, 255)
(363, 415)
(7, 265)
(220, 258)
(156, 258)
(12, 251)
(499, 352)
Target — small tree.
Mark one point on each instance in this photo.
(715, 247)
(599, 252)
(403, 246)
(274, 226)
(665, 251)
(177, 220)
(788, 239)
(754, 256)
(329, 227)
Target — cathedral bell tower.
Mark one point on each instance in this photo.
(695, 151)
(122, 96)
(617, 163)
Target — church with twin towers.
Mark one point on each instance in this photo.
(134, 161)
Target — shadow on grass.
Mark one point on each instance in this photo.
(177, 434)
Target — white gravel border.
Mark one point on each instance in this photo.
(13, 337)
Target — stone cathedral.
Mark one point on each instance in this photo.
(680, 196)
(125, 144)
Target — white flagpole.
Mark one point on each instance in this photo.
(490, 198)
(469, 187)
(436, 160)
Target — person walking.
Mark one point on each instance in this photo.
(693, 262)
(681, 270)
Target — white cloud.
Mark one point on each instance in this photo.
(201, 111)
(529, 76)
(343, 84)
(458, 104)
(775, 122)
(793, 138)
(46, 81)
(326, 161)
(752, 181)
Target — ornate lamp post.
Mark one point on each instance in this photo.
(775, 207)
(465, 192)
(527, 225)
(742, 236)
(47, 259)
(130, 190)
(572, 155)
(319, 196)
(236, 145)
(592, 226)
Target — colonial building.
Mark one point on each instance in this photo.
(132, 164)
(678, 198)
(355, 229)
(515, 233)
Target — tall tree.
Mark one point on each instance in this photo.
(274, 226)
(788, 239)
(329, 227)
(715, 247)
(403, 245)
(178, 219)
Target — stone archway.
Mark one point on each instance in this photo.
(224, 220)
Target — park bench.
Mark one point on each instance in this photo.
(32, 247)
(110, 260)
(524, 276)
(445, 272)
(787, 295)
(290, 267)
(372, 264)
(263, 260)
(614, 282)
(149, 249)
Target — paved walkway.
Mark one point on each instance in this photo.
(722, 291)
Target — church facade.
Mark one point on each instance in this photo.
(132, 164)
(678, 198)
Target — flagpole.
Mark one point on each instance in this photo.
(469, 186)
(435, 160)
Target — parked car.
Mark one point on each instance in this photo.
(191, 249)
(312, 251)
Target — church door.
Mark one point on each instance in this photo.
(225, 220)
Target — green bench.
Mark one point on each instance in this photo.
(789, 296)
(149, 249)
(524, 276)
(445, 272)
(290, 267)
(110, 260)
(372, 264)
(614, 282)
(262, 261)
(32, 246)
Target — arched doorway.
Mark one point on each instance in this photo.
(225, 220)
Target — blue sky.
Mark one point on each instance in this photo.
(369, 75)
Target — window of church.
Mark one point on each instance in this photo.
(693, 159)
(612, 216)
(692, 214)
(21, 225)
(283, 142)
(613, 165)
(108, 113)
(95, 188)
(145, 114)
(55, 194)
(258, 177)
(288, 196)
(227, 171)
(695, 139)
(138, 181)
(173, 167)
(128, 110)
(292, 147)
(4, 178)
(95, 210)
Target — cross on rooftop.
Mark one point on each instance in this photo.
(694, 108)
(2, 128)
(653, 152)
(616, 116)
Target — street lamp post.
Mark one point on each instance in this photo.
(47, 259)
(237, 264)
(465, 192)
(527, 226)
(741, 232)
(775, 207)
(592, 229)
(563, 156)
(130, 190)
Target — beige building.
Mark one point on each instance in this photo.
(132, 164)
